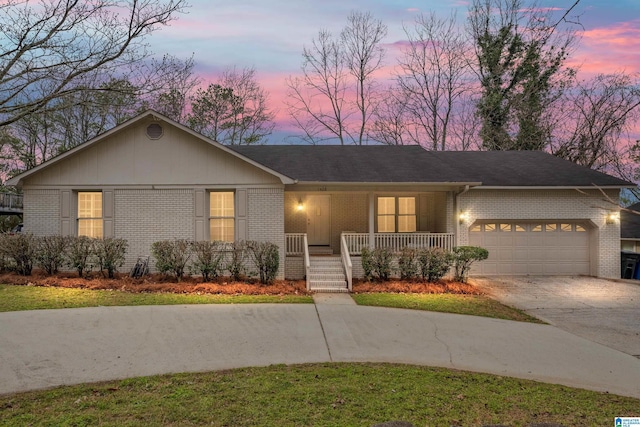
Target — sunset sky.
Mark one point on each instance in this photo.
(270, 35)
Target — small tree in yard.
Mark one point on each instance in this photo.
(463, 257)
(434, 263)
(80, 254)
(50, 254)
(110, 253)
(19, 248)
(172, 256)
(266, 257)
(208, 259)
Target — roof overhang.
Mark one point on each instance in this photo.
(19, 179)
(557, 187)
(311, 186)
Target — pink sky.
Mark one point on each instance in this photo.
(270, 35)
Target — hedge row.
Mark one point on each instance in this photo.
(20, 252)
(211, 259)
(429, 264)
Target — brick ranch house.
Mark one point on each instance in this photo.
(151, 178)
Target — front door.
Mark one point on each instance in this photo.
(318, 220)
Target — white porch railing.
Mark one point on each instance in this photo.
(346, 262)
(294, 244)
(396, 241)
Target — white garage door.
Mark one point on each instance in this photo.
(537, 248)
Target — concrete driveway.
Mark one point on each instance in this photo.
(46, 348)
(603, 311)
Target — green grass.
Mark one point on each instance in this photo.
(318, 395)
(15, 298)
(473, 305)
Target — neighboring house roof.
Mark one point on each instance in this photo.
(630, 223)
(384, 163)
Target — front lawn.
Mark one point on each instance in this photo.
(318, 395)
(474, 305)
(23, 297)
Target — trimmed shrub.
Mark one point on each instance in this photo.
(407, 264)
(266, 258)
(51, 253)
(382, 258)
(367, 263)
(110, 253)
(463, 257)
(80, 254)
(20, 249)
(208, 259)
(434, 263)
(172, 256)
(236, 263)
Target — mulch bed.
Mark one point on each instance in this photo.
(223, 285)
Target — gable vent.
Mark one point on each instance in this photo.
(154, 131)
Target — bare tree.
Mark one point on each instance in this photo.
(49, 46)
(177, 84)
(434, 74)
(595, 119)
(391, 119)
(316, 100)
(363, 55)
(232, 111)
(338, 82)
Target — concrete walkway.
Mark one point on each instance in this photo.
(46, 348)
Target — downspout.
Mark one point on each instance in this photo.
(457, 212)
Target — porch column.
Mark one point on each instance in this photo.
(372, 222)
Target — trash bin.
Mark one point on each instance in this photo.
(629, 265)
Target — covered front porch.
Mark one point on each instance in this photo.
(327, 230)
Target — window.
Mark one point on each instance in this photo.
(505, 227)
(566, 227)
(90, 214)
(476, 228)
(519, 228)
(489, 227)
(550, 227)
(397, 214)
(222, 216)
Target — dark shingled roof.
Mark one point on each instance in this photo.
(384, 163)
(630, 223)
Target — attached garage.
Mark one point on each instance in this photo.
(535, 248)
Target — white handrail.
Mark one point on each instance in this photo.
(346, 261)
(307, 261)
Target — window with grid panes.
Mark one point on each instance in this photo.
(397, 214)
(222, 216)
(90, 214)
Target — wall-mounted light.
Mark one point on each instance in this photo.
(613, 217)
(463, 217)
(300, 206)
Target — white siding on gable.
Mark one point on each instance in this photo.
(129, 157)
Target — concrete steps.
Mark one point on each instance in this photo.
(327, 275)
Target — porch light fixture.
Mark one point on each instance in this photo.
(463, 217)
(300, 205)
(613, 217)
